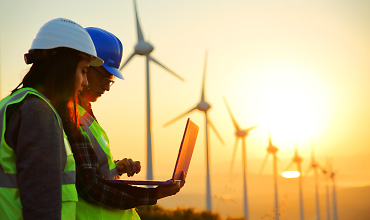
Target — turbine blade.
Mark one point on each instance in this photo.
(128, 60)
(312, 155)
(233, 157)
(251, 128)
(319, 166)
(330, 164)
(204, 75)
(270, 141)
(140, 36)
(264, 163)
(180, 116)
(214, 129)
(313, 161)
(231, 115)
(308, 171)
(296, 151)
(327, 163)
(166, 68)
(289, 166)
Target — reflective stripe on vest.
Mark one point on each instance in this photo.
(89, 211)
(10, 206)
(100, 144)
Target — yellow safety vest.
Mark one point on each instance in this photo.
(10, 204)
(100, 143)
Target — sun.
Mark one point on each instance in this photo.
(290, 174)
(290, 102)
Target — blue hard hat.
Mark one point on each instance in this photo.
(109, 48)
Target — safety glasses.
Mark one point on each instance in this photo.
(104, 77)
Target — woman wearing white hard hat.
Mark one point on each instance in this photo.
(37, 169)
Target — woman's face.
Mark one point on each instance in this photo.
(81, 74)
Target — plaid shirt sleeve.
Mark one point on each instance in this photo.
(92, 186)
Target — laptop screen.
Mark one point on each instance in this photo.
(186, 149)
(183, 157)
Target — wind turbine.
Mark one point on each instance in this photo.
(241, 134)
(203, 106)
(315, 166)
(326, 174)
(334, 194)
(271, 149)
(298, 160)
(144, 48)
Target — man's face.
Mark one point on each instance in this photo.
(99, 80)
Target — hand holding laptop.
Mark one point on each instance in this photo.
(170, 189)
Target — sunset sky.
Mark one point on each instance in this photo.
(297, 69)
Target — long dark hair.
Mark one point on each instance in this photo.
(55, 77)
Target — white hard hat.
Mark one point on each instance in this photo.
(61, 32)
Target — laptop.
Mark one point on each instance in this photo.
(183, 158)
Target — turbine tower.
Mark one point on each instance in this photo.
(315, 166)
(271, 149)
(298, 160)
(326, 174)
(144, 48)
(241, 134)
(334, 194)
(203, 106)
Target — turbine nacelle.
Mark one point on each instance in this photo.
(143, 48)
(324, 171)
(241, 133)
(297, 159)
(203, 106)
(332, 175)
(272, 149)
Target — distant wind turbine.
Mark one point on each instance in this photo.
(241, 134)
(326, 174)
(144, 48)
(203, 106)
(271, 149)
(334, 194)
(298, 160)
(315, 166)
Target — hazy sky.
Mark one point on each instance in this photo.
(298, 69)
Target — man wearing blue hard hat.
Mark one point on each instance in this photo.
(101, 194)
